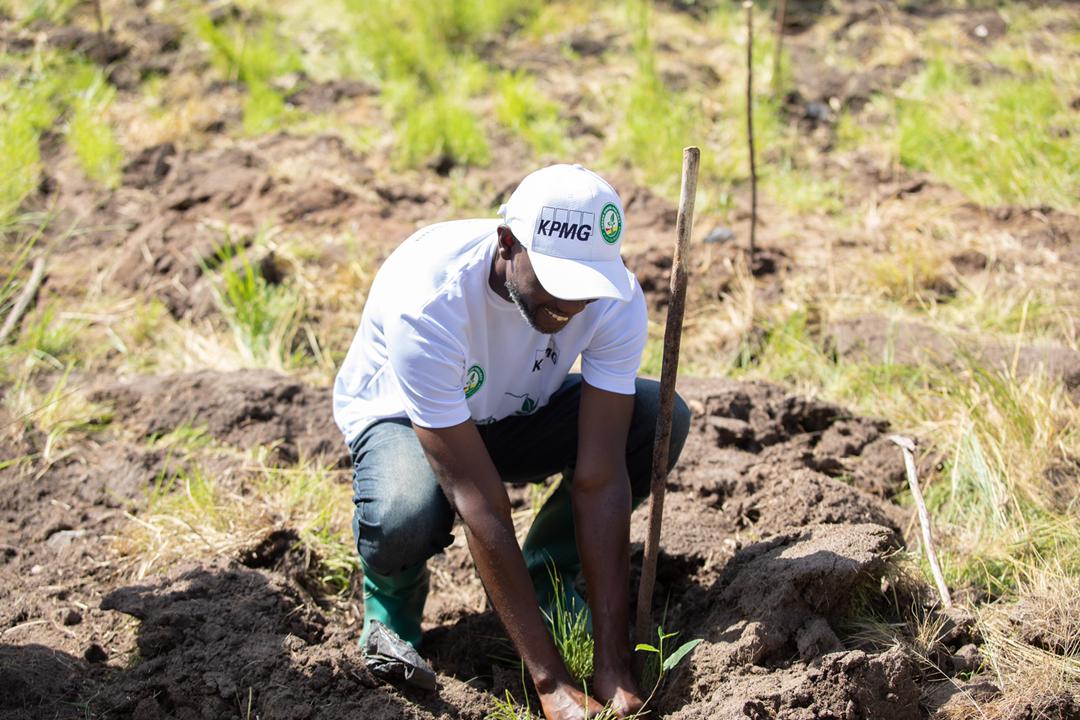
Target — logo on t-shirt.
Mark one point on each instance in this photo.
(473, 380)
(546, 354)
(564, 223)
(528, 403)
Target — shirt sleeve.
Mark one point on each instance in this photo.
(429, 362)
(612, 358)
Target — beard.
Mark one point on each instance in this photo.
(526, 313)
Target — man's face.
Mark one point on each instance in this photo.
(543, 311)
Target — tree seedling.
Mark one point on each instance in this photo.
(662, 663)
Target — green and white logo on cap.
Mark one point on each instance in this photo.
(610, 223)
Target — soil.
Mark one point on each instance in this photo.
(764, 551)
(781, 516)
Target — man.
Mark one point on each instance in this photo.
(458, 381)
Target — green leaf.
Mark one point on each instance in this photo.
(679, 654)
(647, 647)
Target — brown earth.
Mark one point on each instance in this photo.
(781, 517)
(764, 551)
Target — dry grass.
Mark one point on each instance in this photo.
(206, 513)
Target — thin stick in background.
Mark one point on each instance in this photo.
(777, 80)
(668, 373)
(29, 292)
(100, 17)
(749, 5)
(907, 445)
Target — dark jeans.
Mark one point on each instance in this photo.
(402, 516)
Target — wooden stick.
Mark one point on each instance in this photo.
(749, 5)
(907, 445)
(668, 373)
(781, 11)
(37, 274)
(100, 17)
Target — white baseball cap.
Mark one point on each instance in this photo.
(571, 222)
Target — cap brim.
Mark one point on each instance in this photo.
(581, 279)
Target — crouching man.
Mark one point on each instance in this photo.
(458, 380)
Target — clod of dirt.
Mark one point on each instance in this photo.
(214, 635)
(100, 48)
(807, 498)
(34, 676)
(322, 97)
(243, 408)
(756, 434)
(777, 600)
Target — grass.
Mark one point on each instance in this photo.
(197, 513)
(997, 141)
(426, 57)
(257, 57)
(52, 91)
(61, 413)
(263, 317)
(569, 629)
(521, 108)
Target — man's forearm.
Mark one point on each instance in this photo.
(475, 490)
(602, 520)
(498, 560)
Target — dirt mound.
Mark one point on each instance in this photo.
(35, 676)
(806, 498)
(752, 434)
(215, 637)
(879, 339)
(243, 408)
(777, 600)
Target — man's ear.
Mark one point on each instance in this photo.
(506, 242)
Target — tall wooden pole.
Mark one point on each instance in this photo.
(749, 5)
(668, 373)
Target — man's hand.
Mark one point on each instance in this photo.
(566, 702)
(618, 688)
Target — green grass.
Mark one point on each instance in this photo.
(656, 122)
(525, 111)
(61, 413)
(263, 318)
(255, 56)
(26, 12)
(995, 511)
(999, 140)
(91, 136)
(52, 91)
(426, 57)
(190, 512)
(436, 127)
(569, 629)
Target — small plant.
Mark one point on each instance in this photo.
(508, 709)
(264, 317)
(662, 663)
(255, 58)
(91, 137)
(570, 630)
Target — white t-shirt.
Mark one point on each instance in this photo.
(437, 345)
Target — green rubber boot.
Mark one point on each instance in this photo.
(397, 601)
(551, 555)
(550, 551)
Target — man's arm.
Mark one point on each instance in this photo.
(602, 504)
(472, 485)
